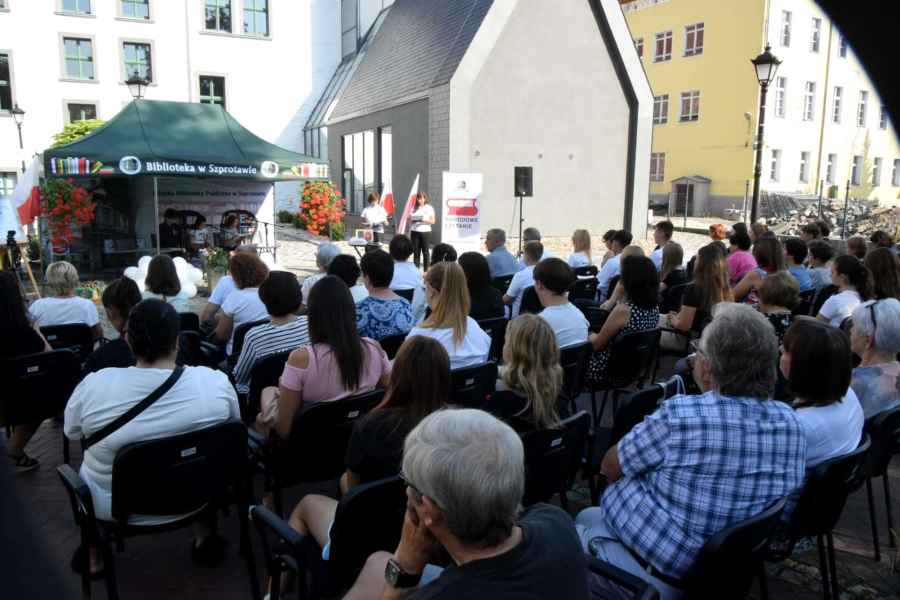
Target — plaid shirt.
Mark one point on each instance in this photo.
(696, 466)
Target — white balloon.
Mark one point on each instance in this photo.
(179, 260)
(182, 271)
(195, 275)
(188, 290)
(133, 273)
(144, 264)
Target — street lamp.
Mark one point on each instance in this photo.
(136, 85)
(18, 116)
(766, 64)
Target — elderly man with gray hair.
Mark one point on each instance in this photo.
(699, 463)
(500, 261)
(875, 338)
(465, 478)
(324, 255)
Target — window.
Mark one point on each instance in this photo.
(804, 167)
(786, 28)
(882, 116)
(855, 170)
(658, 166)
(212, 90)
(136, 60)
(690, 106)
(780, 96)
(135, 9)
(895, 175)
(809, 101)
(842, 47)
(359, 168)
(77, 7)
(775, 165)
(6, 94)
(829, 168)
(836, 104)
(218, 15)
(7, 183)
(876, 172)
(639, 46)
(815, 36)
(3, 5)
(79, 111)
(661, 109)
(693, 40)
(861, 108)
(256, 17)
(79, 58)
(349, 24)
(663, 49)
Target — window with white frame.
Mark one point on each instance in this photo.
(693, 39)
(842, 47)
(135, 9)
(895, 174)
(876, 171)
(836, 99)
(830, 166)
(861, 108)
(212, 90)
(780, 96)
(256, 17)
(75, 7)
(786, 28)
(136, 60)
(804, 167)
(218, 15)
(856, 170)
(775, 165)
(809, 101)
(883, 118)
(7, 183)
(6, 90)
(815, 35)
(80, 111)
(639, 46)
(690, 106)
(3, 5)
(658, 166)
(78, 54)
(661, 109)
(663, 48)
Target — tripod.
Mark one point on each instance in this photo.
(521, 222)
(14, 262)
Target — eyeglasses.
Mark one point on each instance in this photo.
(416, 491)
(874, 320)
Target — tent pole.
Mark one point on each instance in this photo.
(156, 210)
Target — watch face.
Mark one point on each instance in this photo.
(392, 573)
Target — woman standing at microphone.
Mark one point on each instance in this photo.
(422, 220)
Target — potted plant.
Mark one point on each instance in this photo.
(215, 265)
(321, 210)
(66, 206)
(92, 290)
(34, 253)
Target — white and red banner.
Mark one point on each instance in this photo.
(387, 198)
(410, 206)
(461, 218)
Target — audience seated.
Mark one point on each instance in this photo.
(243, 304)
(524, 278)
(500, 260)
(531, 379)
(810, 233)
(857, 247)
(119, 298)
(778, 294)
(769, 255)
(885, 268)
(223, 288)
(740, 260)
(718, 232)
(875, 338)
(610, 269)
(607, 242)
(14, 325)
(61, 306)
(552, 280)
(699, 463)
(637, 311)
(487, 301)
(816, 362)
(795, 252)
(824, 229)
(443, 252)
(820, 254)
(162, 283)
(671, 275)
(882, 239)
(449, 322)
(280, 293)
(581, 249)
(382, 313)
(324, 255)
(757, 230)
(465, 481)
(200, 397)
(345, 268)
(531, 234)
(852, 279)
(419, 385)
(337, 363)
(406, 274)
(709, 288)
(662, 235)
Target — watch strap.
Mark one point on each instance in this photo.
(399, 578)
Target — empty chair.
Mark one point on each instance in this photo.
(501, 283)
(265, 372)
(587, 271)
(530, 301)
(884, 431)
(553, 457)
(407, 293)
(631, 357)
(496, 328)
(190, 321)
(470, 386)
(77, 337)
(584, 289)
(391, 344)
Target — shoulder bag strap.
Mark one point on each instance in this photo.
(134, 411)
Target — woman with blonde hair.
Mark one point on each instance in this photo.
(581, 243)
(531, 378)
(671, 274)
(61, 306)
(447, 294)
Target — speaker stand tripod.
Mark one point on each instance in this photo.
(521, 222)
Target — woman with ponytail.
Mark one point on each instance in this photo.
(852, 279)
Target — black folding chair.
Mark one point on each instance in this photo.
(470, 386)
(593, 312)
(587, 271)
(37, 387)
(189, 474)
(552, 459)
(501, 283)
(530, 302)
(584, 289)
(77, 337)
(805, 303)
(573, 361)
(316, 447)
(631, 358)
(612, 285)
(407, 293)
(496, 328)
(672, 298)
(189, 321)
(391, 344)
(884, 431)
(822, 295)
(265, 372)
(237, 344)
(639, 589)
(193, 351)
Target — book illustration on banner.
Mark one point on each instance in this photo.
(464, 207)
(317, 170)
(79, 166)
(269, 168)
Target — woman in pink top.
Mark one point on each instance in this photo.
(338, 364)
(740, 260)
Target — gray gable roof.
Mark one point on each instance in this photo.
(418, 47)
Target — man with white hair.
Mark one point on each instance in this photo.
(324, 255)
(500, 261)
(465, 477)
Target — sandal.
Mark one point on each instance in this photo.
(77, 564)
(22, 463)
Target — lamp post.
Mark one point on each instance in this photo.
(136, 85)
(766, 64)
(18, 116)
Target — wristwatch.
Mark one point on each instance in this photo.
(398, 578)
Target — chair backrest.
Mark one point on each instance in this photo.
(391, 344)
(240, 332)
(612, 285)
(884, 431)
(470, 386)
(530, 301)
(584, 289)
(729, 560)
(805, 303)
(631, 355)
(633, 410)
(264, 373)
(375, 508)
(501, 283)
(189, 321)
(639, 589)
(189, 349)
(317, 445)
(77, 337)
(593, 312)
(37, 386)
(573, 361)
(496, 328)
(821, 296)
(673, 297)
(407, 293)
(553, 457)
(587, 271)
(178, 474)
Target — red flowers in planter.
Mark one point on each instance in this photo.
(66, 206)
(321, 208)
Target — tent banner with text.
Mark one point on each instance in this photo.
(461, 218)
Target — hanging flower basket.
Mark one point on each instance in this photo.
(321, 210)
(66, 207)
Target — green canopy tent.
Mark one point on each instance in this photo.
(152, 138)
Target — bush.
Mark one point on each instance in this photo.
(75, 131)
(285, 216)
(298, 221)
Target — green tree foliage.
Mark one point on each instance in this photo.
(75, 131)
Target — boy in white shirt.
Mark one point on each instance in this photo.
(524, 278)
(552, 278)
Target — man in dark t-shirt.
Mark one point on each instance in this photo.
(465, 478)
